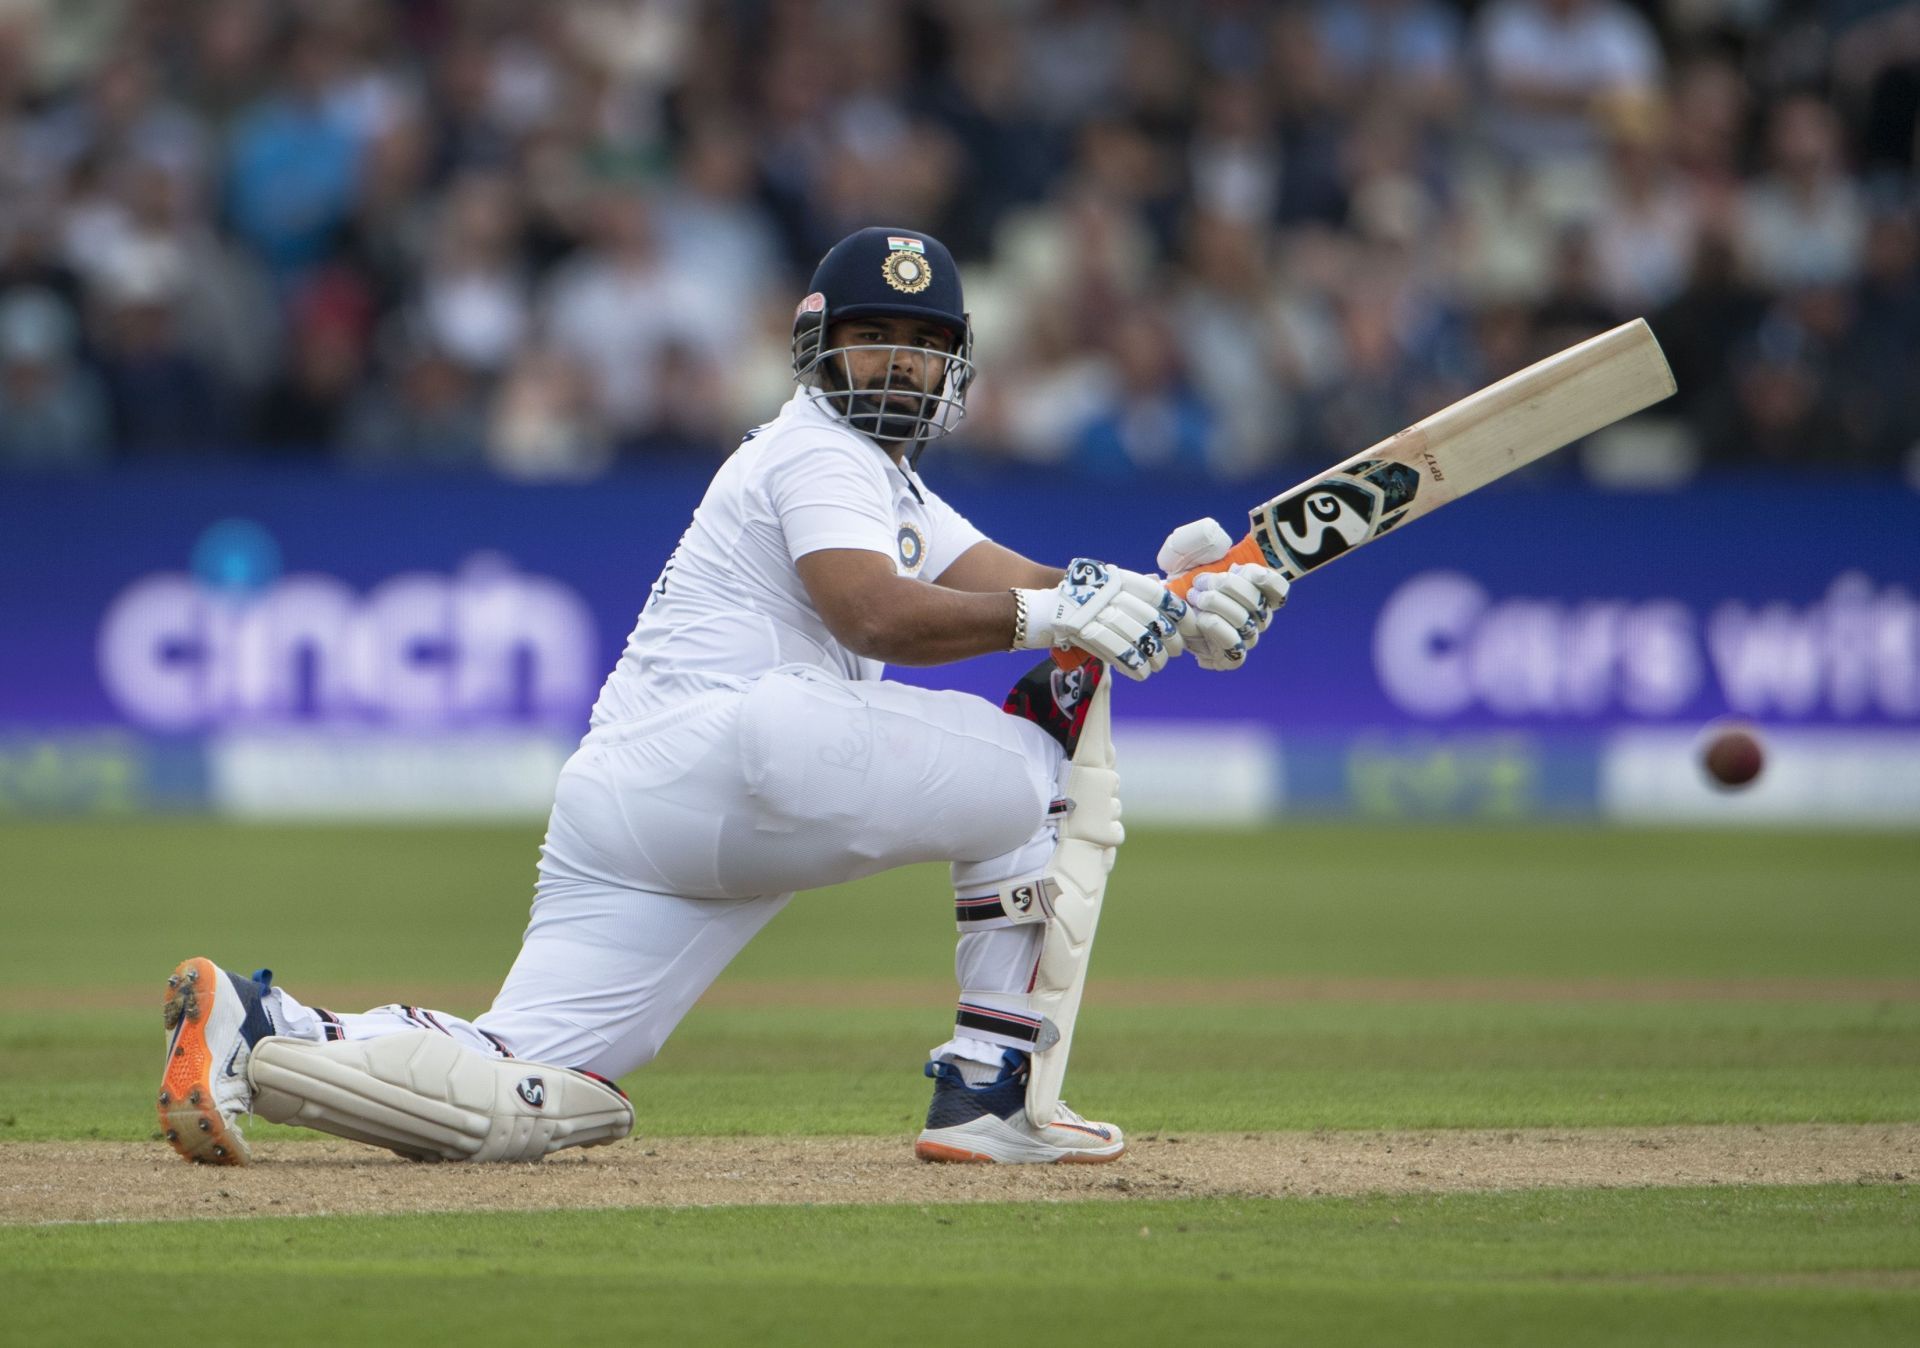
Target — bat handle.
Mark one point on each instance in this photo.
(1246, 550)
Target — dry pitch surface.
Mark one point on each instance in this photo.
(122, 1181)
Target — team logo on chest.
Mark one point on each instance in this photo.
(913, 548)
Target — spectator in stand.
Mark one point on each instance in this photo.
(709, 224)
(1074, 52)
(1157, 422)
(1804, 223)
(1314, 123)
(230, 55)
(330, 316)
(544, 426)
(1877, 355)
(474, 295)
(1369, 393)
(1718, 310)
(1010, 155)
(53, 415)
(425, 412)
(619, 306)
(1342, 212)
(1233, 157)
(1046, 387)
(30, 254)
(557, 188)
(227, 314)
(1223, 315)
(1549, 63)
(167, 402)
(294, 161)
(120, 115)
(1780, 409)
(470, 136)
(1575, 306)
(388, 235)
(1648, 225)
(1711, 109)
(1407, 51)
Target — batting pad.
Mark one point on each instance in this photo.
(1077, 882)
(422, 1095)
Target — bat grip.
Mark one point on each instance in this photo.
(1246, 550)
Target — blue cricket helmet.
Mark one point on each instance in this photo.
(885, 273)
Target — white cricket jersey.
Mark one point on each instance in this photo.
(729, 606)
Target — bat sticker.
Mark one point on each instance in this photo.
(1309, 527)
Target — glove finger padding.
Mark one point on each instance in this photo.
(1115, 649)
(1218, 645)
(1234, 585)
(1194, 544)
(1169, 608)
(1257, 591)
(1273, 585)
(1139, 623)
(1234, 610)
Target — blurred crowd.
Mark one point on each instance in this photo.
(549, 239)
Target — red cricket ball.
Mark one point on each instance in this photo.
(1732, 755)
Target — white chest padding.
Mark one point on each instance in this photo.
(1076, 882)
(422, 1095)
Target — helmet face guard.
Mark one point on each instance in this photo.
(899, 408)
(887, 273)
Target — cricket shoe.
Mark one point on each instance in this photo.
(988, 1125)
(213, 1021)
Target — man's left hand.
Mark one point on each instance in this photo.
(1241, 600)
(1227, 610)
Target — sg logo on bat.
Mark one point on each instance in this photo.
(1309, 527)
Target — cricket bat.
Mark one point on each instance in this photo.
(1477, 440)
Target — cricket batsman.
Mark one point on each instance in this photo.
(746, 747)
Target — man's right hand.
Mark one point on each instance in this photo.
(1128, 619)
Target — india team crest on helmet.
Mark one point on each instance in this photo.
(1310, 527)
(906, 266)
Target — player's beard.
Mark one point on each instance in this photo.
(869, 411)
(883, 419)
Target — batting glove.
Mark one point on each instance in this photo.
(1130, 620)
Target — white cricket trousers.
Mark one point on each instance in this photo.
(675, 838)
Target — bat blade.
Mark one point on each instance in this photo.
(1458, 449)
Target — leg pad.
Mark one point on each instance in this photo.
(425, 1097)
(1076, 883)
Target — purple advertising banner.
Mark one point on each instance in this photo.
(179, 605)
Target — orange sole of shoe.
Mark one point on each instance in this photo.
(188, 1118)
(942, 1153)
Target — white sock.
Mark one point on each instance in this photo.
(978, 1073)
(292, 1019)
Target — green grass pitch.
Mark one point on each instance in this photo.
(1333, 977)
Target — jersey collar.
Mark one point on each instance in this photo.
(808, 402)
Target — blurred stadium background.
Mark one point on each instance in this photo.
(360, 363)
